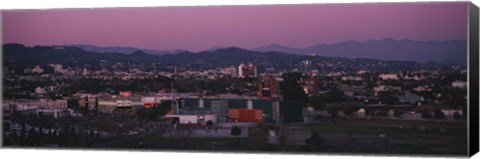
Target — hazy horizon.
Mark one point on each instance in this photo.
(214, 47)
(204, 27)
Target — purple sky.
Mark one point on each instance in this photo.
(200, 28)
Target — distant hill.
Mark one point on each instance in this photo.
(450, 52)
(21, 55)
(18, 57)
(123, 50)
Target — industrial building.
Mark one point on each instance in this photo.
(246, 110)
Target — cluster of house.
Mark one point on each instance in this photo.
(45, 107)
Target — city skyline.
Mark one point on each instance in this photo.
(202, 28)
(352, 78)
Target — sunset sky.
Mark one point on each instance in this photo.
(201, 28)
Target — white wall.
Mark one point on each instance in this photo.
(193, 119)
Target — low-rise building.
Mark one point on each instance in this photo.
(221, 109)
(192, 118)
(388, 76)
(21, 105)
(109, 106)
(459, 84)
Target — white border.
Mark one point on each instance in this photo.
(83, 154)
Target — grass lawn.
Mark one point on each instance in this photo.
(406, 137)
(347, 136)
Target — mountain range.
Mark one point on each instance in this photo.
(19, 54)
(447, 52)
(123, 50)
(19, 57)
(450, 52)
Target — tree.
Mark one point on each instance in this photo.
(87, 105)
(439, 114)
(317, 102)
(315, 141)
(236, 131)
(23, 135)
(349, 108)
(292, 89)
(397, 113)
(48, 70)
(258, 138)
(456, 98)
(333, 111)
(73, 104)
(457, 116)
(426, 114)
(335, 96)
(32, 137)
(54, 136)
(388, 97)
(40, 136)
(96, 104)
(91, 134)
(209, 123)
(153, 113)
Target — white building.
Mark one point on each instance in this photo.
(55, 113)
(450, 113)
(194, 118)
(360, 113)
(40, 90)
(60, 104)
(85, 72)
(382, 88)
(37, 69)
(422, 88)
(58, 68)
(388, 76)
(360, 72)
(240, 70)
(459, 84)
(232, 71)
(352, 78)
(45, 104)
(148, 100)
(106, 107)
(247, 70)
(25, 105)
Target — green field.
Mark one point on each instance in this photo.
(404, 137)
(346, 136)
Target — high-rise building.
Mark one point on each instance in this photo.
(306, 67)
(268, 88)
(247, 70)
